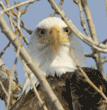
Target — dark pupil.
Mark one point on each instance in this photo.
(42, 32)
(66, 30)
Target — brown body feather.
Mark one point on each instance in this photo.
(71, 89)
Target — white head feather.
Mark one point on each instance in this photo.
(49, 61)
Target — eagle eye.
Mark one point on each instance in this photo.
(67, 30)
(41, 32)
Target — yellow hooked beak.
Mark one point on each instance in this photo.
(54, 36)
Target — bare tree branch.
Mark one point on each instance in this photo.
(93, 34)
(15, 19)
(101, 48)
(23, 3)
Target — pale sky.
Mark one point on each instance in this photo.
(39, 11)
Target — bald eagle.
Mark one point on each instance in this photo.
(49, 47)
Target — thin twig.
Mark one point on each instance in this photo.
(89, 55)
(24, 38)
(26, 6)
(75, 1)
(33, 85)
(105, 61)
(83, 24)
(3, 89)
(25, 27)
(15, 19)
(102, 61)
(61, 2)
(15, 62)
(2, 52)
(10, 79)
(9, 89)
(10, 17)
(14, 66)
(16, 77)
(89, 20)
(23, 3)
(21, 24)
(18, 17)
(105, 41)
(94, 65)
(106, 5)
